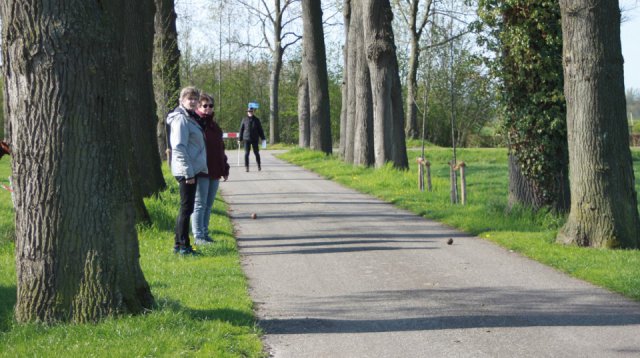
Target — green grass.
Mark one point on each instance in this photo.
(202, 306)
(485, 215)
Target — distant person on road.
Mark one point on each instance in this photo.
(207, 184)
(250, 133)
(188, 160)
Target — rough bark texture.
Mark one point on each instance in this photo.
(315, 59)
(76, 243)
(166, 68)
(354, 31)
(303, 108)
(389, 145)
(144, 165)
(603, 199)
(521, 190)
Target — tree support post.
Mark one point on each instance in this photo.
(454, 183)
(420, 162)
(463, 183)
(428, 165)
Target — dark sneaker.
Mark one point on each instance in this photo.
(259, 167)
(246, 169)
(209, 240)
(186, 250)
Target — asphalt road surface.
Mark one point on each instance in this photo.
(335, 273)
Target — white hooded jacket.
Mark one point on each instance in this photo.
(188, 152)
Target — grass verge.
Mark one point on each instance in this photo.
(202, 305)
(529, 233)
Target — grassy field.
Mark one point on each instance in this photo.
(203, 308)
(485, 215)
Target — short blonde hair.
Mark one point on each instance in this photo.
(188, 92)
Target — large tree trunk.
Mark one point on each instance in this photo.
(345, 79)
(354, 32)
(535, 112)
(166, 68)
(363, 127)
(303, 107)
(521, 190)
(76, 243)
(316, 65)
(144, 165)
(383, 67)
(604, 210)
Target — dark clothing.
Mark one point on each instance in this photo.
(247, 150)
(251, 129)
(216, 158)
(187, 200)
(251, 132)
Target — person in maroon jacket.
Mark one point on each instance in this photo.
(4, 149)
(217, 168)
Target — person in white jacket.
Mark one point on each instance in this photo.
(188, 159)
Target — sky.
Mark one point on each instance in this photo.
(629, 33)
(629, 30)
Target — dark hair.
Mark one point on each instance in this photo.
(206, 97)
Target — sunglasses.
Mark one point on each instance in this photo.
(207, 105)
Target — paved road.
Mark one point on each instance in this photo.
(335, 273)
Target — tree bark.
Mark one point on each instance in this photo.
(345, 79)
(166, 68)
(354, 33)
(144, 164)
(316, 65)
(383, 67)
(303, 107)
(412, 87)
(76, 243)
(604, 210)
(521, 190)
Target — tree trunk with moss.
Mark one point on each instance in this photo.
(77, 255)
(604, 207)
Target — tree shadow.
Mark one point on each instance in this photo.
(8, 297)
(231, 316)
(442, 309)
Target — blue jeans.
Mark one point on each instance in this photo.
(205, 196)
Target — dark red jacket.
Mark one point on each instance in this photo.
(216, 158)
